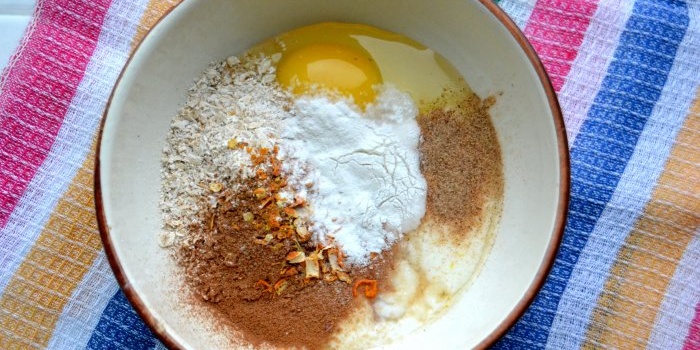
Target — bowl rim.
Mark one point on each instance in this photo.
(513, 316)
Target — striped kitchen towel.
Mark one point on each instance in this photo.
(627, 276)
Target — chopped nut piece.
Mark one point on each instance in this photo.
(341, 257)
(211, 294)
(280, 286)
(317, 255)
(260, 193)
(343, 276)
(282, 234)
(298, 201)
(291, 212)
(289, 271)
(266, 203)
(333, 259)
(216, 187)
(230, 260)
(329, 277)
(277, 247)
(273, 221)
(295, 257)
(276, 170)
(166, 239)
(212, 222)
(312, 268)
(303, 234)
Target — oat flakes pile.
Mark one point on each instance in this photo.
(228, 104)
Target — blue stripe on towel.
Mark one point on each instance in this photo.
(121, 328)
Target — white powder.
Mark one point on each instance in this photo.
(367, 188)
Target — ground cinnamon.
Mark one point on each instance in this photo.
(240, 264)
(461, 162)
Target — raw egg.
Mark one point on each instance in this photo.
(331, 66)
(354, 60)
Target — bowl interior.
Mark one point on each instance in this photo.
(467, 33)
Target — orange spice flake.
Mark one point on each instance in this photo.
(280, 285)
(266, 286)
(371, 288)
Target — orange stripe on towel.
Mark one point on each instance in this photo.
(628, 306)
(55, 265)
(155, 10)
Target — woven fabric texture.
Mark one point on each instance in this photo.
(627, 276)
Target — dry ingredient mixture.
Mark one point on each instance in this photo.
(295, 218)
(360, 171)
(253, 261)
(197, 158)
(285, 211)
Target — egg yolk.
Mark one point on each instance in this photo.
(336, 67)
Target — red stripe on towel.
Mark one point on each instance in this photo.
(556, 29)
(39, 88)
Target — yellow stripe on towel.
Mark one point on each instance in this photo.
(628, 306)
(45, 280)
(155, 10)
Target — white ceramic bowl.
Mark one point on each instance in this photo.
(475, 36)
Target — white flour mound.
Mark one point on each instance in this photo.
(364, 170)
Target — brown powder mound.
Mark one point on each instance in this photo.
(461, 162)
(239, 269)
